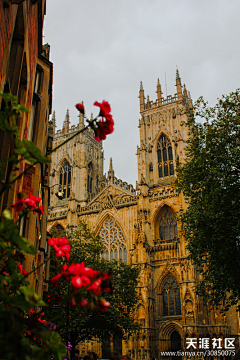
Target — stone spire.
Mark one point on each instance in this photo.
(159, 93)
(66, 123)
(54, 121)
(111, 171)
(178, 86)
(141, 97)
(185, 94)
(81, 118)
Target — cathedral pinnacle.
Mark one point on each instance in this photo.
(81, 118)
(66, 122)
(179, 86)
(111, 171)
(111, 165)
(54, 120)
(159, 92)
(141, 97)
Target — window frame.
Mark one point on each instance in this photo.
(175, 293)
(65, 178)
(167, 223)
(165, 161)
(114, 242)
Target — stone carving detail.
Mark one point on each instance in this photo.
(109, 200)
(162, 193)
(58, 215)
(188, 307)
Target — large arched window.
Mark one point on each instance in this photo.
(171, 298)
(168, 225)
(165, 156)
(113, 240)
(65, 179)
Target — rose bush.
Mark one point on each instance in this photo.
(24, 334)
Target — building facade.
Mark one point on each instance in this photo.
(140, 225)
(26, 71)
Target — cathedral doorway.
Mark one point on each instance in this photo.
(176, 344)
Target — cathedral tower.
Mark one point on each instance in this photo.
(140, 227)
(76, 169)
(161, 136)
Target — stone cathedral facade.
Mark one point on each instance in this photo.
(140, 225)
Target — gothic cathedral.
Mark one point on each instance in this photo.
(140, 225)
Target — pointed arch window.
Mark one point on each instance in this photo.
(90, 177)
(113, 240)
(171, 298)
(165, 156)
(168, 229)
(65, 178)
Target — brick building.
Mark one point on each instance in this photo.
(26, 71)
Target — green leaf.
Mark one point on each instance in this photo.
(18, 143)
(24, 245)
(31, 297)
(23, 108)
(7, 214)
(35, 153)
(8, 97)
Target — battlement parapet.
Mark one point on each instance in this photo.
(72, 130)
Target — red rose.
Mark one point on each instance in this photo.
(95, 287)
(64, 272)
(61, 246)
(105, 108)
(82, 301)
(80, 108)
(18, 206)
(103, 128)
(82, 275)
(102, 304)
(76, 269)
(39, 210)
(21, 271)
(55, 280)
(77, 282)
(72, 302)
(32, 202)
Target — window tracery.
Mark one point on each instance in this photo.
(65, 179)
(165, 156)
(113, 240)
(171, 298)
(168, 225)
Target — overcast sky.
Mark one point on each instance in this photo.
(102, 49)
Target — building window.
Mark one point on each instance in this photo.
(113, 241)
(171, 298)
(36, 100)
(165, 156)
(65, 179)
(168, 225)
(90, 177)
